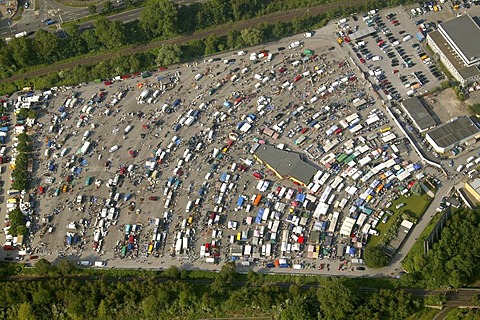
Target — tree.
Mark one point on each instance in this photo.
(92, 9)
(376, 258)
(336, 300)
(172, 273)
(65, 267)
(110, 34)
(168, 54)
(23, 54)
(107, 7)
(25, 312)
(224, 278)
(211, 44)
(234, 39)
(43, 266)
(475, 109)
(251, 36)
(47, 46)
(17, 222)
(160, 18)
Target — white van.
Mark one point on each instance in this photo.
(113, 149)
(64, 152)
(460, 168)
(128, 129)
(189, 206)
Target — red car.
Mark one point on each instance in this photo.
(108, 83)
(282, 69)
(257, 175)
(362, 60)
(395, 71)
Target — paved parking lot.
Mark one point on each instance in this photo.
(158, 169)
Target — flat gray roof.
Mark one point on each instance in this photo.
(446, 49)
(455, 131)
(469, 72)
(287, 163)
(417, 111)
(464, 32)
(361, 33)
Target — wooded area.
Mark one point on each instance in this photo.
(183, 299)
(453, 260)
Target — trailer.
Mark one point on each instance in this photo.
(85, 147)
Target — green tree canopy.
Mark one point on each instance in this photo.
(159, 18)
(375, 257)
(168, 54)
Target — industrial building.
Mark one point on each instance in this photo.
(417, 111)
(286, 164)
(460, 130)
(456, 45)
(473, 187)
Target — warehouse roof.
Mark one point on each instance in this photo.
(361, 33)
(454, 131)
(461, 31)
(287, 163)
(420, 115)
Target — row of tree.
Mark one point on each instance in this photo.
(20, 173)
(151, 298)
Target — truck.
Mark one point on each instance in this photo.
(294, 45)
(85, 147)
(21, 34)
(99, 264)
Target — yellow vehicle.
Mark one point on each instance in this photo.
(65, 188)
(239, 236)
(455, 7)
(190, 220)
(150, 248)
(339, 40)
(386, 129)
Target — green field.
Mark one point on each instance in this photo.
(415, 206)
